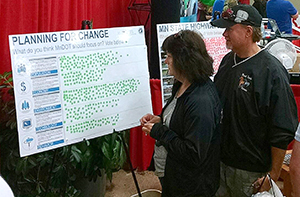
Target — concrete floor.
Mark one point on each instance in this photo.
(123, 185)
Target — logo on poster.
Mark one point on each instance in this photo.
(23, 87)
(25, 105)
(21, 68)
(28, 143)
(26, 124)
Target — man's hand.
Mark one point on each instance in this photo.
(295, 16)
(277, 160)
(257, 187)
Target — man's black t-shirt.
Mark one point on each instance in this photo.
(259, 110)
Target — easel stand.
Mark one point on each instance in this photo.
(50, 172)
(129, 161)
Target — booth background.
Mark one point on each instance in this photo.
(35, 16)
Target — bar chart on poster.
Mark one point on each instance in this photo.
(76, 85)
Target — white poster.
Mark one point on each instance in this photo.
(214, 41)
(76, 85)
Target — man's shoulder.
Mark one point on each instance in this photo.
(268, 57)
(286, 4)
(275, 3)
(226, 58)
(270, 60)
(274, 66)
(227, 62)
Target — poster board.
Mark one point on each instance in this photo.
(212, 36)
(75, 85)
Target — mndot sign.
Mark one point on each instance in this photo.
(77, 85)
(212, 36)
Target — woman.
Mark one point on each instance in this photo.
(188, 125)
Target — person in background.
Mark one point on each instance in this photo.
(295, 164)
(5, 188)
(203, 14)
(188, 125)
(282, 11)
(230, 4)
(259, 116)
(220, 5)
(217, 9)
(260, 5)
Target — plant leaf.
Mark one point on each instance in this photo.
(76, 153)
(105, 150)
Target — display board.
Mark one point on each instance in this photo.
(212, 36)
(76, 85)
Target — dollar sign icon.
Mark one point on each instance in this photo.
(23, 87)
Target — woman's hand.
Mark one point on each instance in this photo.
(147, 122)
(147, 128)
(149, 118)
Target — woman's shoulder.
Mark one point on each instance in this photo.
(205, 91)
(204, 97)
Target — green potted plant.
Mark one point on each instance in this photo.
(54, 172)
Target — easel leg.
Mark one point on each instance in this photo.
(131, 168)
(50, 172)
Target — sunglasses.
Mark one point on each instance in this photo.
(178, 35)
(229, 15)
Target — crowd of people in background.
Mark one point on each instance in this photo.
(235, 130)
(280, 10)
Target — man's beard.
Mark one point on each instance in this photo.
(228, 46)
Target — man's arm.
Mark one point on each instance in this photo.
(277, 160)
(295, 16)
(295, 168)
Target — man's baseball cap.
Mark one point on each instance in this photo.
(239, 14)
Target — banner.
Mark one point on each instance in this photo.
(76, 85)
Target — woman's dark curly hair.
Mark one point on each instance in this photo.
(190, 57)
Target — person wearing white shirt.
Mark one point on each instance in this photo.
(295, 164)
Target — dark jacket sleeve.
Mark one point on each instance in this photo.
(198, 121)
(283, 112)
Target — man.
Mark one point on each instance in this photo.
(282, 11)
(295, 164)
(259, 109)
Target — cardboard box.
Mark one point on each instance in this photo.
(296, 67)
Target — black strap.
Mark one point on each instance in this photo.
(262, 183)
(270, 181)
